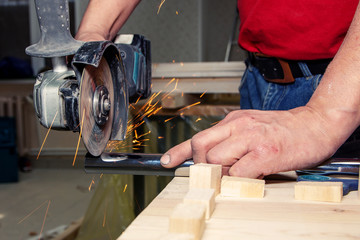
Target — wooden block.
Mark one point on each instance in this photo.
(319, 191)
(204, 175)
(188, 218)
(202, 196)
(242, 187)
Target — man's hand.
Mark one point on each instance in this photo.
(89, 36)
(104, 18)
(252, 143)
(258, 143)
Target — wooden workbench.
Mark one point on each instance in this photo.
(276, 216)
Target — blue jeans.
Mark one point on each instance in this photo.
(257, 93)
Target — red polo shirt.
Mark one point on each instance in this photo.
(295, 29)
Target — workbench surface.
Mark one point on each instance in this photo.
(276, 216)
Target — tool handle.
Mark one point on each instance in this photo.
(56, 40)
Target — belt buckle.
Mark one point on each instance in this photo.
(288, 77)
(287, 74)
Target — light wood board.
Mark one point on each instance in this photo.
(276, 216)
(198, 77)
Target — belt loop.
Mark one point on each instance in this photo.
(304, 69)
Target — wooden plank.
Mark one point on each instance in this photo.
(198, 69)
(242, 187)
(198, 85)
(198, 77)
(319, 191)
(276, 216)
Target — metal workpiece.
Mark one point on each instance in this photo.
(56, 39)
(130, 163)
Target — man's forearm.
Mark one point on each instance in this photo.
(104, 18)
(337, 98)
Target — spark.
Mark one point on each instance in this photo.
(160, 137)
(198, 119)
(203, 94)
(173, 79)
(137, 203)
(42, 227)
(91, 183)
(142, 135)
(155, 112)
(177, 13)
(31, 213)
(214, 123)
(138, 99)
(77, 148)
(47, 133)
(168, 94)
(125, 187)
(162, 2)
(147, 109)
(101, 175)
(104, 220)
(189, 106)
(136, 136)
(169, 119)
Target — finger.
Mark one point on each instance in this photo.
(202, 142)
(228, 152)
(225, 170)
(250, 166)
(177, 155)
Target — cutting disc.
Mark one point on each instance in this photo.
(96, 98)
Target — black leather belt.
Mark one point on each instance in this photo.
(285, 71)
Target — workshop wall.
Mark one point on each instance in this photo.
(184, 31)
(187, 30)
(181, 31)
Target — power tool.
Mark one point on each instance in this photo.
(92, 93)
(96, 90)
